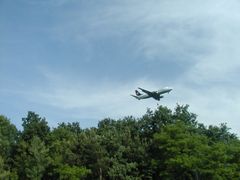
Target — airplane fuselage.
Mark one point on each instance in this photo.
(164, 90)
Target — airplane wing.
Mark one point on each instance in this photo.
(148, 92)
(153, 94)
(135, 97)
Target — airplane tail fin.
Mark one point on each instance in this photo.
(135, 97)
(137, 93)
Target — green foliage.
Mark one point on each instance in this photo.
(182, 113)
(32, 158)
(152, 122)
(3, 173)
(180, 152)
(120, 170)
(89, 152)
(33, 125)
(73, 173)
(163, 144)
(221, 133)
(61, 142)
(8, 136)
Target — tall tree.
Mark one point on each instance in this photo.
(163, 144)
(4, 174)
(33, 125)
(8, 141)
(8, 136)
(32, 158)
(178, 153)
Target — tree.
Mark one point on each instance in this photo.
(3, 173)
(72, 172)
(33, 125)
(61, 141)
(65, 153)
(89, 153)
(32, 158)
(182, 113)
(152, 122)
(8, 140)
(178, 153)
(216, 134)
(8, 136)
(125, 151)
(163, 144)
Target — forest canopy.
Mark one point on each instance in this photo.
(162, 144)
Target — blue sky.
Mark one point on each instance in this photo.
(78, 60)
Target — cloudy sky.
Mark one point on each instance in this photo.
(78, 60)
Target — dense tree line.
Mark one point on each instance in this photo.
(163, 144)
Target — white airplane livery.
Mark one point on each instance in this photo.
(151, 94)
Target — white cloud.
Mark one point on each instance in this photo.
(81, 99)
(217, 105)
(204, 34)
(92, 99)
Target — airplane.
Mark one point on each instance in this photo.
(157, 95)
